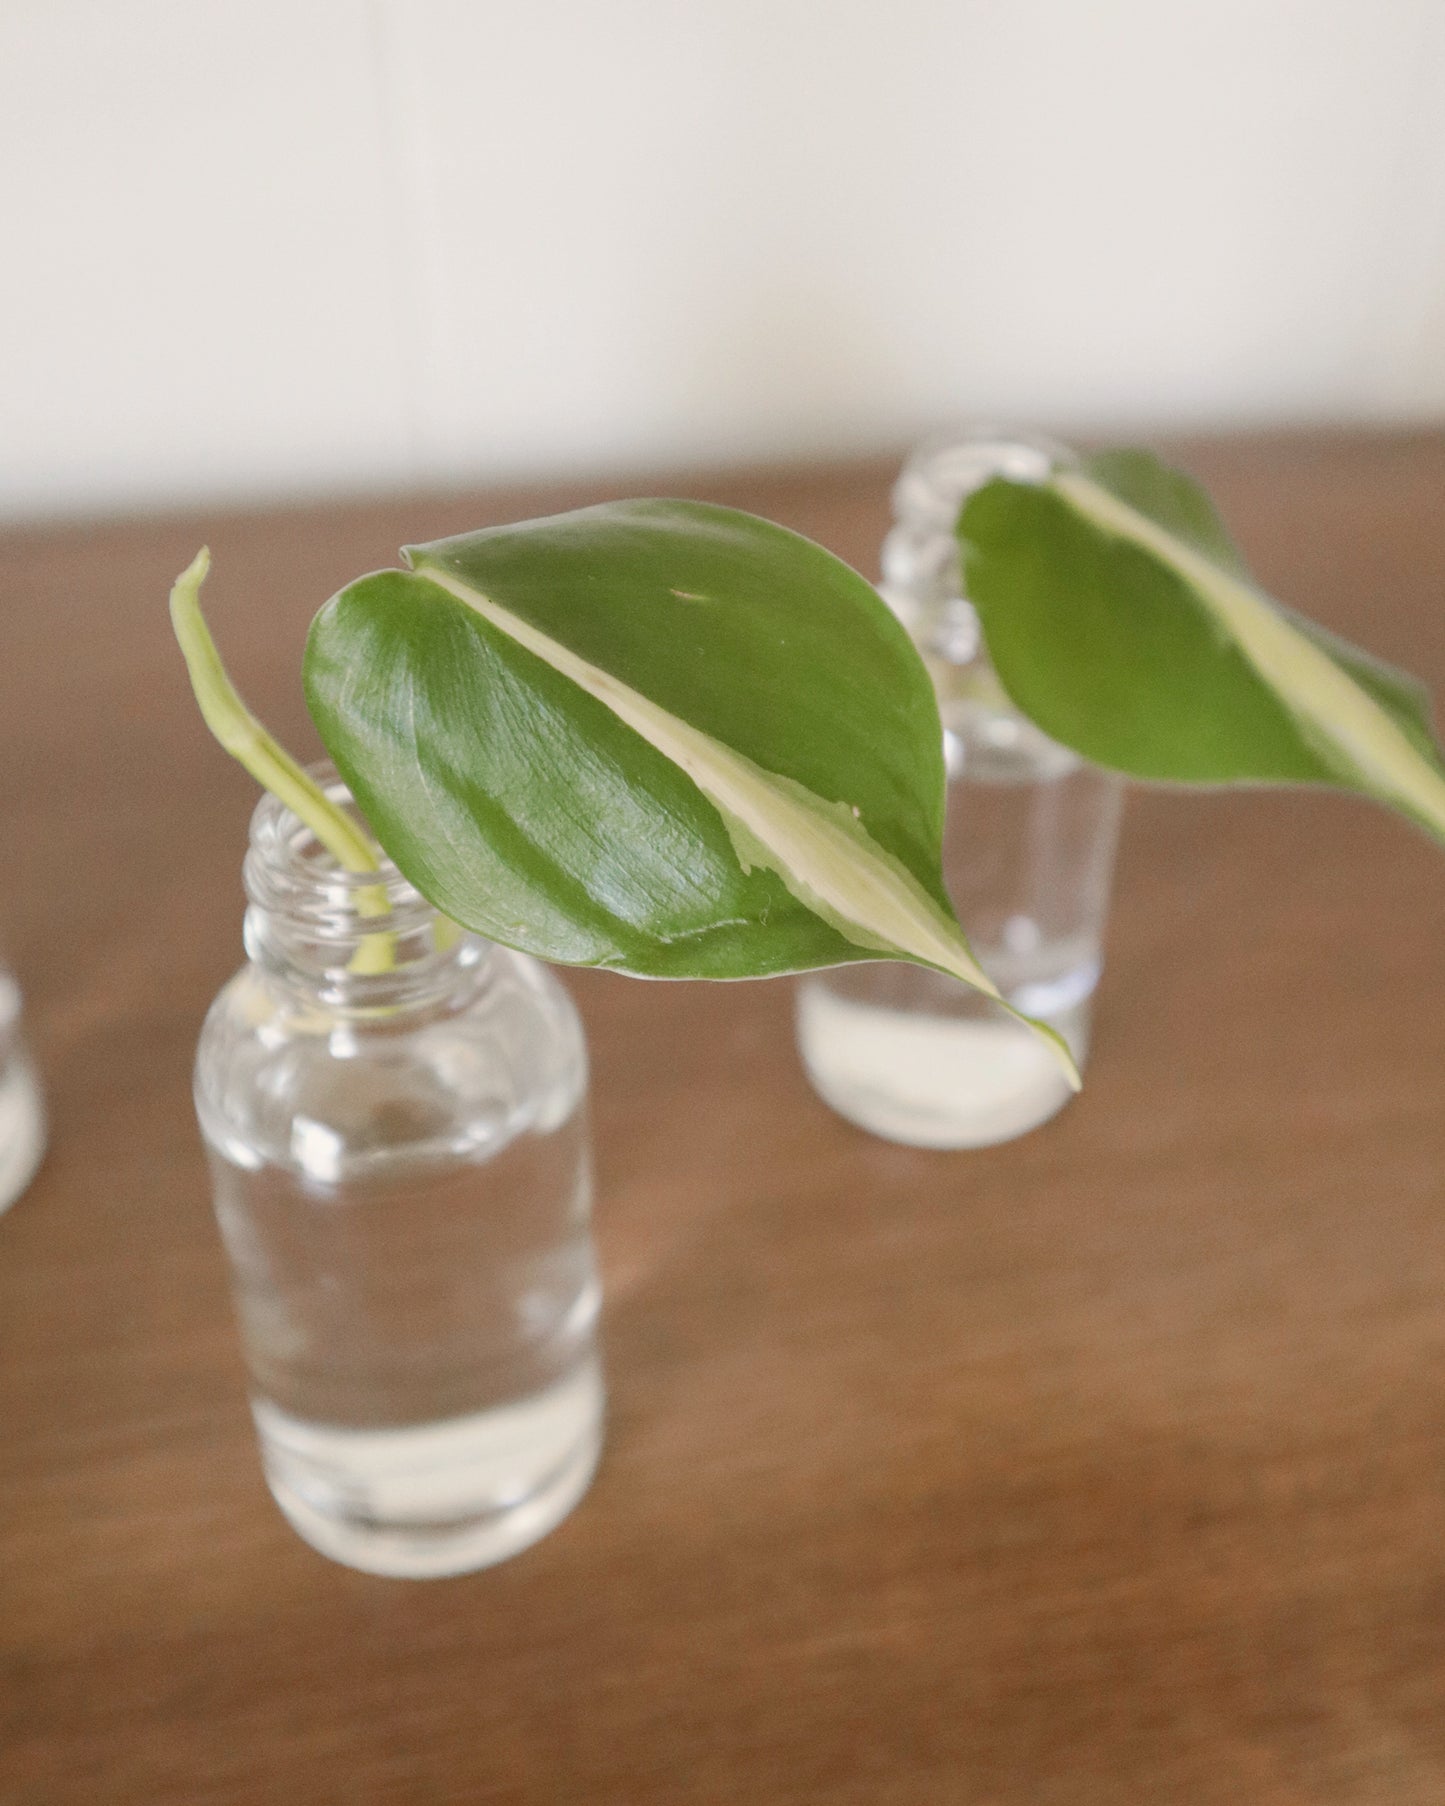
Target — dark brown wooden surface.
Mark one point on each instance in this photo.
(1108, 1466)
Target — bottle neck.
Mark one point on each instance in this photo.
(364, 943)
(922, 571)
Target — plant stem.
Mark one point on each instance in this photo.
(273, 768)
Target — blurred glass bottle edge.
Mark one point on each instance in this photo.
(1028, 856)
(22, 1111)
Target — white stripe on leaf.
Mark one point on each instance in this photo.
(1339, 718)
(818, 849)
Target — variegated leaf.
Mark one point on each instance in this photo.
(1120, 617)
(657, 736)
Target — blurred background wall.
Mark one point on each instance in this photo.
(256, 248)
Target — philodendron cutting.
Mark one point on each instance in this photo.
(679, 741)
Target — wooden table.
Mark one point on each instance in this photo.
(1108, 1466)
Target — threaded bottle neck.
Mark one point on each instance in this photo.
(353, 941)
(922, 579)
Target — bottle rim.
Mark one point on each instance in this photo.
(945, 468)
(298, 884)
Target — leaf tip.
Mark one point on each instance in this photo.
(1060, 1049)
(197, 570)
(186, 598)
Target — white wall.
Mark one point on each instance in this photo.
(261, 247)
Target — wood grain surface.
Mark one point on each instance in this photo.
(1107, 1466)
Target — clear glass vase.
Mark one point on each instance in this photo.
(1029, 848)
(402, 1178)
(22, 1113)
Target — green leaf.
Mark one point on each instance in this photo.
(656, 736)
(1122, 619)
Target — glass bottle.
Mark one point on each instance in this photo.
(402, 1179)
(1029, 846)
(22, 1113)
